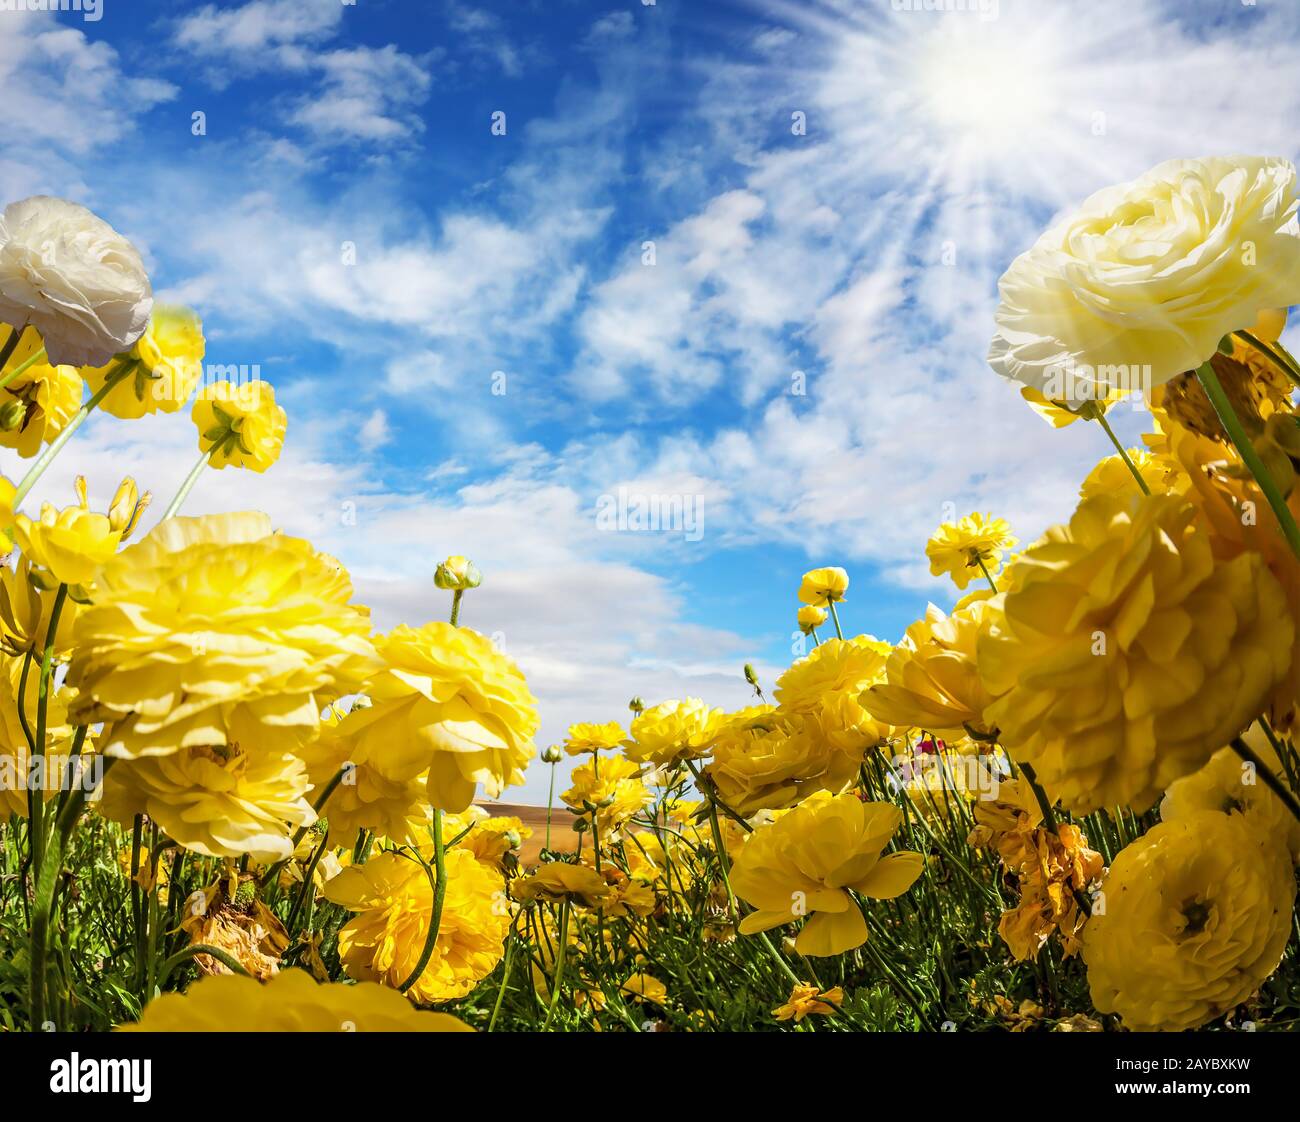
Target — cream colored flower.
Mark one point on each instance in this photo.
(1145, 278)
(74, 278)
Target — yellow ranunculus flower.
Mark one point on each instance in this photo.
(810, 617)
(805, 862)
(218, 801)
(969, 547)
(1126, 653)
(365, 798)
(393, 898)
(1111, 476)
(1197, 914)
(292, 1001)
(1229, 785)
(823, 586)
(827, 686)
(71, 543)
(216, 631)
(491, 837)
(1128, 282)
(593, 738)
(805, 1000)
(25, 612)
(168, 364)
(646, 987)
(673, 731)
(37, 405)
(614, 787)
(1209, 475)
(559, 880)
(931, 681)
(239, 425)
(768, 760)
(15, 763)
(447, 703)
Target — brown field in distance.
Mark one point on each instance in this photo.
(562, 834)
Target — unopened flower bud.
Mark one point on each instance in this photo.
(457, 574)
(127, 506)
(551, 754)
(636, 705)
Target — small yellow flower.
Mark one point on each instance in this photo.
(393, 898)
(127, 506)
(1112, 476)
(969, 548)
(167, 363)
(646, 987)
(823, 586)
(72, 543)
(25, 610)
(810, 617)
(613, 786)
(594, 738)
(931, 681)
(240, 426)
(673, 731)
(558, 881)
(805, 863)
(448, 703)
(827, 686)
(38, 404)
(805, 1000)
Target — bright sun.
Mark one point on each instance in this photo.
(986, 87)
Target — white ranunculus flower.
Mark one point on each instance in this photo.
(1142, 282)
(74, 278)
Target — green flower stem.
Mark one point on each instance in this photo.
(1228, 417)
(836, 617)
(980, 562)
(455, 606)
(550, 800)
(558, 980)
(10, 345)
(117, 374)
(22, 368)
(1099, 415)
(438, 882)
(194, 949)
(205, 458)
(317, 806)
(36, 799)
(1271, 781)
(307, 875)
(505, 980)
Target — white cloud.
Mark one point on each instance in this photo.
(62, 90)
(249, 33)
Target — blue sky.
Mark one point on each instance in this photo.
(831, 191)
